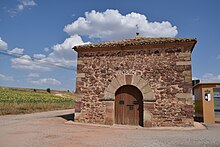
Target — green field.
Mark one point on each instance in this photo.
(21, 100)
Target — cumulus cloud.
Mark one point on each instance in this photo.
(210, 77)
(6, 78)
(108, 25)
(39, 56)
(26, 62)
(16, 51)
(3, 45)
(111, 25)
(47, 81)
(62, 55)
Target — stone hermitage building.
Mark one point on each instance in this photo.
(140, 81)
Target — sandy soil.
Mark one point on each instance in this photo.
(53, 129)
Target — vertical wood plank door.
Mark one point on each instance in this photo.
(129, 106)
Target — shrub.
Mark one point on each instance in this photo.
(48, 90)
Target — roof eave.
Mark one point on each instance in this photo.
(83, 48)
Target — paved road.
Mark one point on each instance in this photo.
(52, 129)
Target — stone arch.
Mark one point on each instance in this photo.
(135, 80)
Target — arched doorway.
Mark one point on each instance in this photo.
(129, 106)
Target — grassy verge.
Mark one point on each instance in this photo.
(21, 102)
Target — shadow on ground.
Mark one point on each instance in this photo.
(68, 117)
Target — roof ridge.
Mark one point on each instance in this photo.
(135, 41)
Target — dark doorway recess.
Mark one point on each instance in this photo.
(68, 117)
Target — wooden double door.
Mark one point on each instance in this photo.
(129, 106)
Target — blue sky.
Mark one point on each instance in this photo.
(42, 32)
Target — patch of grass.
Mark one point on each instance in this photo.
(21, 102)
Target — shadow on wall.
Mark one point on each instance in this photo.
(68, 117)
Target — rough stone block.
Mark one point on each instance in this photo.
(183, 63)
(189, 101)
(115, 83)
(147, 119)
(78, 79)
(121, 80)
(142, 83)
(108, 121)
(128, 79)
(81, 75)
(149, 96)
(188, 78)
(111, 89)
(184, 95)
(80, 61)
(109, 95)
(149, 106)
(146, 89)
(135, 80)
(185, 56)
(187, 73)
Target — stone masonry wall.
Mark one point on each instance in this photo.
(167, 70)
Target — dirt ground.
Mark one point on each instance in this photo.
(53, 129)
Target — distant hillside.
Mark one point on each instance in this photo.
(54, 92)
(27, 100)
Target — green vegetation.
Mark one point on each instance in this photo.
(20, 101)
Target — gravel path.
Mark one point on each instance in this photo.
(53, 129)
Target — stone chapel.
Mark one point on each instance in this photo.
(140, 81)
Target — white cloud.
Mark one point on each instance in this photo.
(62, 55)
(210, 77)
(48, 81)
(195, 78)
(69, 43)
(21, 6)
(106, 25)
(46, 49)
(17, 51)
(6, 78)
(111, 25)
(25, 62)
(3, 45)
(33, 75)
(39, 56)
(218, 57)
(25, 4)
(28, 2)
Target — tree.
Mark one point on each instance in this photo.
(48, 90)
